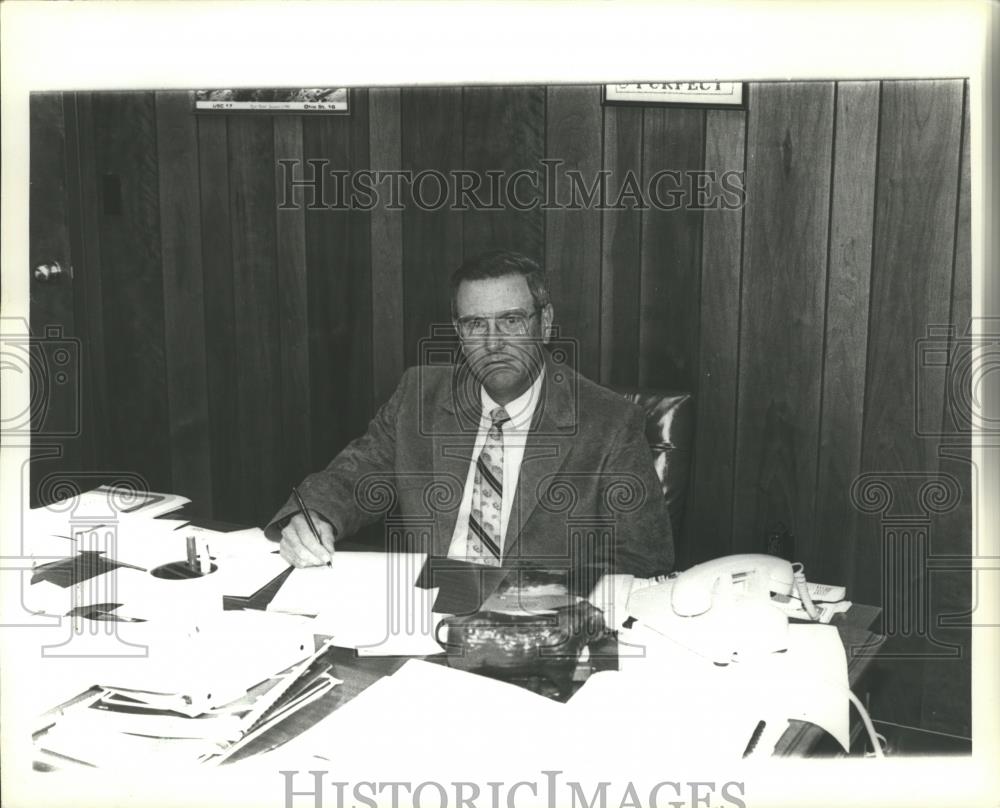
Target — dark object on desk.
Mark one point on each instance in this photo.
(259, 599)
(86, 564)
(103, 612)
(462, 586)
(754, 738)
(520, 646)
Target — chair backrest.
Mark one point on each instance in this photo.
(670, 434)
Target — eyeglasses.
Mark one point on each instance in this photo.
(508, 323)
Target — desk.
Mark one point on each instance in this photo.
(358, 673)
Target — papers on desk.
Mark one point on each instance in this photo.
(79, 569)
(668, 706)
(204, 692)
(110, 502)
(428, 716)
(807, 682)
(195, 667)
(367, 601)
(216, 661)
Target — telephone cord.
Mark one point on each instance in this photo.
(799, 576)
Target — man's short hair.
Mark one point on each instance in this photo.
(500, 264)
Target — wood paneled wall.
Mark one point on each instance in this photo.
(244, 343)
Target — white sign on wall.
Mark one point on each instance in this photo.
(681, 93)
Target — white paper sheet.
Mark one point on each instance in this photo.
(106, 503)
(366, 601)
(430, 718)
(212, 662)
(121, 752)
(807, 682)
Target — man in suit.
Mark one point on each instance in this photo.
(504, 458)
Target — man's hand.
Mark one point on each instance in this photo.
(299, 546)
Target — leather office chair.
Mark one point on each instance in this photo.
(670, 434)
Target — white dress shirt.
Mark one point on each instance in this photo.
(515, 437)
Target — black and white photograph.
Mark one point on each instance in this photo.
(603, 437)
(298, 101)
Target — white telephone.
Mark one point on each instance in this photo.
(721, 609)
(733, 610)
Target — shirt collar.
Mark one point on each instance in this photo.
(521, 410)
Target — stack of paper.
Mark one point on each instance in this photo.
(216, 659)
(100, 507)
(207, 693)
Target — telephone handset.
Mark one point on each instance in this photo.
(735, 577)
(722, 608)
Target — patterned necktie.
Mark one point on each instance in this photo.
(485, 541)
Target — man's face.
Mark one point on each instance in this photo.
(502, 333)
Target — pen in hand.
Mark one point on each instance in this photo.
(309, 521)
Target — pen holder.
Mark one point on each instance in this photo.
(181, 571)
(518, 646)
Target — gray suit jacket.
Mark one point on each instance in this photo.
(587, 493)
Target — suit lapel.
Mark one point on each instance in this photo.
(453, 432)
(546, 449)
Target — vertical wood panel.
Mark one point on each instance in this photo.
(708, 517)
(503, 131)
(913, 254)
(47, 224)
(387, 247)
(85, 247)
(56, 406)
(790, 130)
(339, 277)
(327, 140)
(947, 701)
(957, 416)
(573, 237)
(914, 243)
(621, 229)
(292, 304)
(258, 335)
(432, 240)
(673, 140)
(220, 315)
(359, 265)
(911, 286)
(945, 685)
(856, 141)
(126, 154)
(183, 293)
